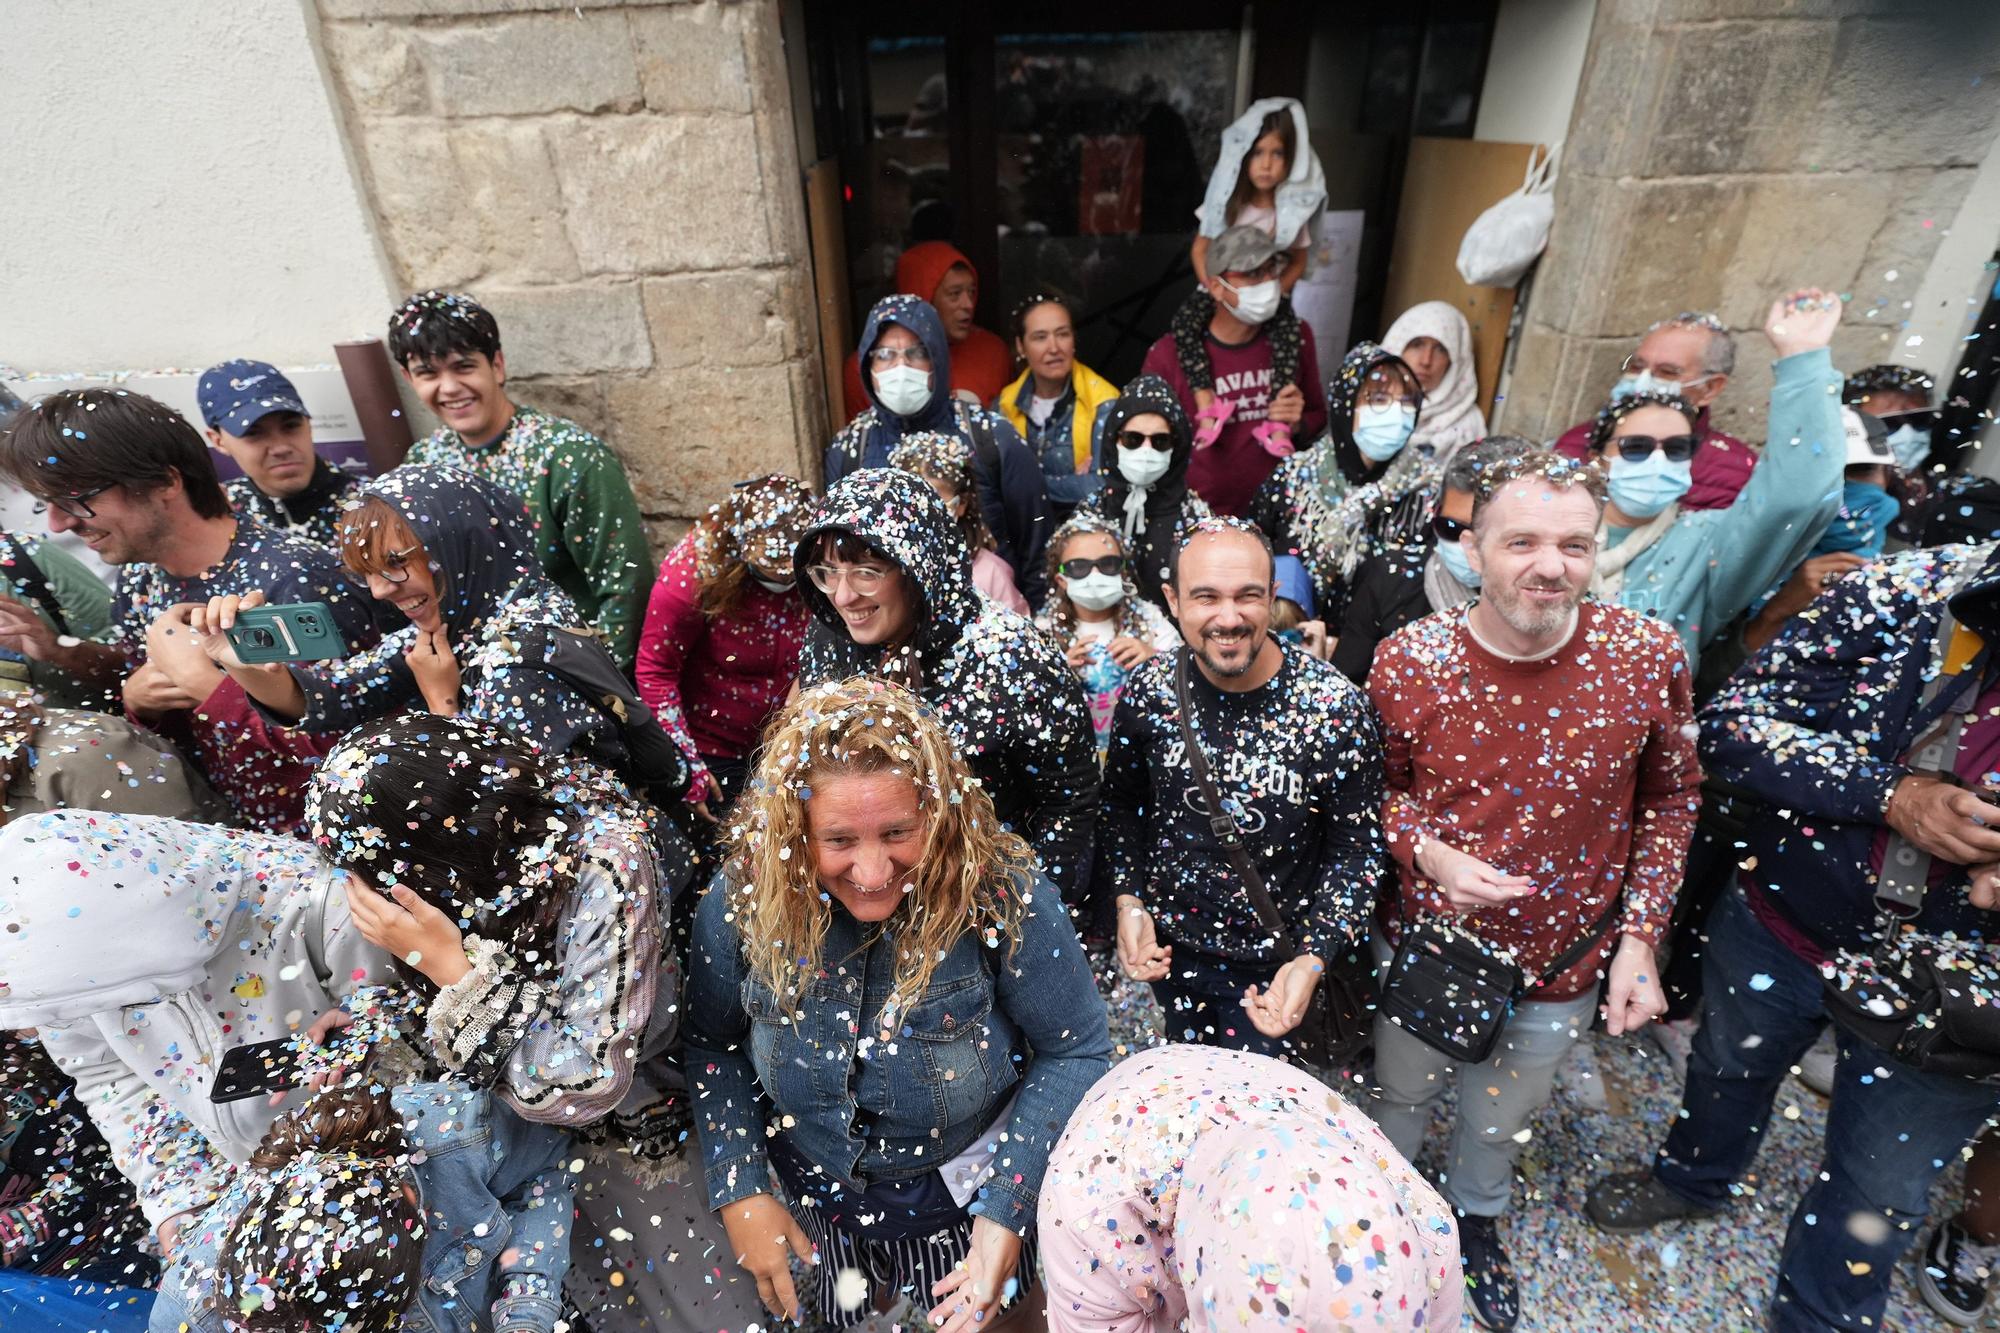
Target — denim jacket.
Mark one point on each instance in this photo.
(489, 1182)
(1030, 1026)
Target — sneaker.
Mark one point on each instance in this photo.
(1489, 1278)
(1635, 1201)
(1953, 1272)
(1816, 1065)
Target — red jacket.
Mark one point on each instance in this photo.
(1721, 466)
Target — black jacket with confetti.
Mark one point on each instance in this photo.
(1298, 762)
(1000, 686)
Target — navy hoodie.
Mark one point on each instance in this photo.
(1012, 493)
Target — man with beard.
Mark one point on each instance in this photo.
(1542, 788)
(1293, 761)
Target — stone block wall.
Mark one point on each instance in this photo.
(1722, 151)
(619, 183)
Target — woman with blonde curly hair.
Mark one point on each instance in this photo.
(889, 1008)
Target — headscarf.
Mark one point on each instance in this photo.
(1301, 195)
(1451, 416)
(476, 534)
(1146, 516)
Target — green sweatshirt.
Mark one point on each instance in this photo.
(86, 606)
(588, 531)
(1712, 563)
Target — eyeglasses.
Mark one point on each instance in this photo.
(75, 505)
(1638, 448)
(1632, 365)
(395, 568)
(864, 579)
(1140, 439)
(1448, 529)
(1082, 567)
(884, 357)
(1390, 398)
(1921, 419)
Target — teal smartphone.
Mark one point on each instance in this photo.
(295, 632)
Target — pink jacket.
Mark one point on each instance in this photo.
(714, 683)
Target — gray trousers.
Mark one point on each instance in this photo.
(1495, 1099)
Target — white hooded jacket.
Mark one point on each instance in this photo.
(144, 948)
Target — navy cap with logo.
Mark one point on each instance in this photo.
(235, 394)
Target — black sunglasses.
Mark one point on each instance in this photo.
(1081, 567)
(1448, 529)
(1638, 448)
(1924, 418)
(1139, 439)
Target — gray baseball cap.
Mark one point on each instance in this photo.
(1240, 250)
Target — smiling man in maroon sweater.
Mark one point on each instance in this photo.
(1542, 787)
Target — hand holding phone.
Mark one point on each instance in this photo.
(291, 632)
(255, 1070)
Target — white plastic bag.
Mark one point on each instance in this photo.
(1508, 237)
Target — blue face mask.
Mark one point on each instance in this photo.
(1862, 525)
(1646, 382)
(1381, 432)
(1910, 446)
(1643, 489)
(1457, 563)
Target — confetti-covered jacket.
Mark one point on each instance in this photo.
(1012, 496)
(1815, 727)
(144, 948)
(1712, 563)
(1328, 508)
(588, 531)
(1002, 689)
(1298, 762)
(314, 513)
(863, 1105)
(497, 1201)
(258, 763)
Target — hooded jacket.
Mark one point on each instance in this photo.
(1012, 494)
(1326, 510)
(143, 949)
(492, 595)
(980, 365)
(1002, 689)
(1168, 503)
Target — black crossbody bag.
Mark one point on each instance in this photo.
(1336, 1024)
(1453, 991)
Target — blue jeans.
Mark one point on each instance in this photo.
(1889, 1133)
(1203, 999)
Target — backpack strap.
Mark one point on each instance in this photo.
(27, 576)
(985, 453)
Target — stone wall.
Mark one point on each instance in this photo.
(619, 183)
(1724, 150)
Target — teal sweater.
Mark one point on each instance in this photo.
(1712, 563)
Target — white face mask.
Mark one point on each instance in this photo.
(904, 390)
(1145, 465)
(1257, 302)
(774, 585)
(1097, 592)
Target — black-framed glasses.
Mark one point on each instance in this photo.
(1082, 567)
(1143, 439)
(1922, 418)
(76, 505)
(1448, 529)
(884, 357)
(396, 565)
(1638, 448)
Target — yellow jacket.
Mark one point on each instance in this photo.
(1091, 391)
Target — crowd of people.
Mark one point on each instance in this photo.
(557, 939)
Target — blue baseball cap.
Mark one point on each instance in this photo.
(235, 394)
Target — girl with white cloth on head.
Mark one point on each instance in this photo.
(1435, 341)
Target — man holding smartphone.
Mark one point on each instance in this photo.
(132, 477)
